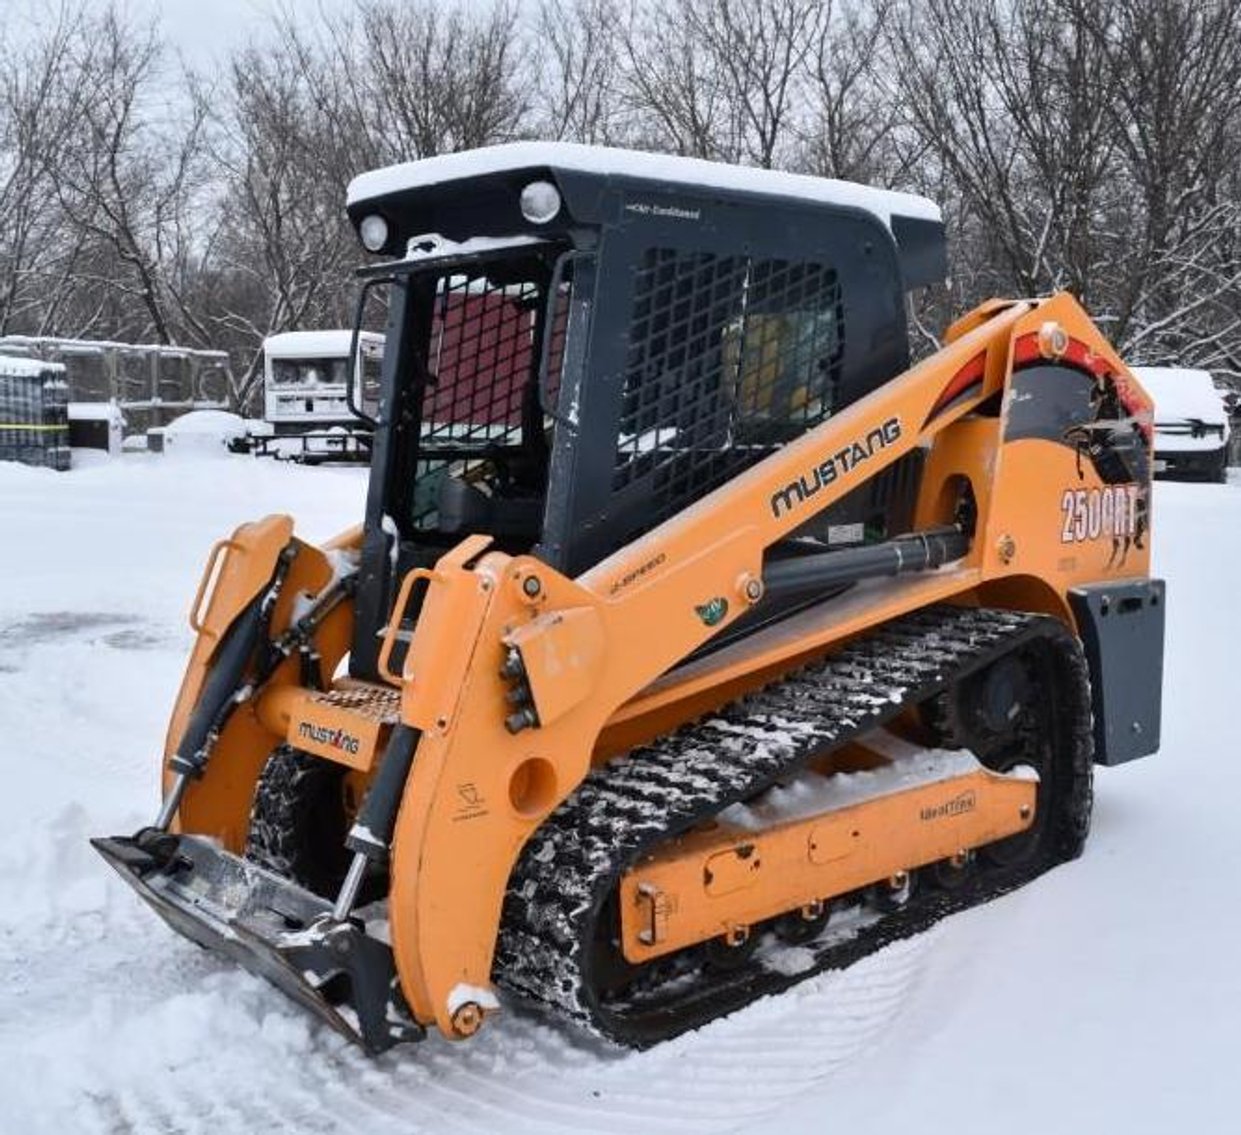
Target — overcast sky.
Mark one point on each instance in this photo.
(205, 30)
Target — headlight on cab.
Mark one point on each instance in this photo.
(540, 202)
(374, 232)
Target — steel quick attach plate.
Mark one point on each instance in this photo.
(272, 927)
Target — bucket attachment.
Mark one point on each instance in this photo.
(274, 928)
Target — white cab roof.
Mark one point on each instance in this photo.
(332, 344)
(691, 172)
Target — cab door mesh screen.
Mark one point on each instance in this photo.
(482, 350)
(729, 357)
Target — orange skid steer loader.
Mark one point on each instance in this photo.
(686, 620)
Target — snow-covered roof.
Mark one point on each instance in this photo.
(603, 160)
(314, 344)
(100, 346)
(1182, 392)
(26, 367)
(96, 412)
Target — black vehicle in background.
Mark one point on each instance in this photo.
(1192, 428)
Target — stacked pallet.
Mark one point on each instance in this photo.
(34, 414)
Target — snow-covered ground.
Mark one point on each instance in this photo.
(1105, 997)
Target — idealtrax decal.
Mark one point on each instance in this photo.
(961, 803)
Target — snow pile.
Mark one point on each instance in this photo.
(204, 432)
(1103, 997)
(809, 792)
(22, 367)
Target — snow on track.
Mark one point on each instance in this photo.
(111, 1023)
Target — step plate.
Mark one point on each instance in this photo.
(348, 726)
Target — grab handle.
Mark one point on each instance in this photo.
(197, 613)
(394, 621)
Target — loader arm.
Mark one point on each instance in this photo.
(570, 657)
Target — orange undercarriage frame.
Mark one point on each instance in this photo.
(602, 654)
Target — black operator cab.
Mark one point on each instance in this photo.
(582, 341)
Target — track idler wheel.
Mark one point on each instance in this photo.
(1000, 717)
(1010, 728)
(984, 711)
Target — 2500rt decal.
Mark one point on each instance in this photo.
(1109, 513)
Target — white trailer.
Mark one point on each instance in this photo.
(304, 379)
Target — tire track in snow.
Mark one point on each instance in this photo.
(149, 1034)
(110, 1023)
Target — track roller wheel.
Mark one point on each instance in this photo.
(732, 949)
(893, 893)
(953, 872)
(803, 925)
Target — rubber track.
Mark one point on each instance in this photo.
(622, 811)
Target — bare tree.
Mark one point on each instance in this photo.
(41, 96)
(577, 92)
(1093, 145)
(127, 182)
(720, 79)
(1010, 100)
(852, 128)
(395, 81)
(676, 96)
(441, 80)
(761, 47)
(1176, 118)
(280, 259)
